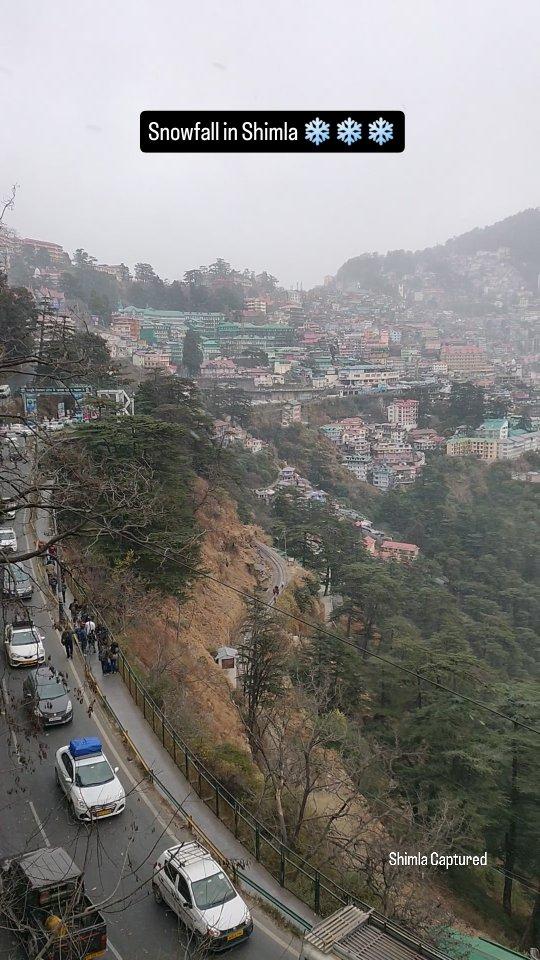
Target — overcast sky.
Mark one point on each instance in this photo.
(75, 76)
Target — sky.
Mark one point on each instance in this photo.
(75, 76)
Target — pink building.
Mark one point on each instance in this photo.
(402, 552)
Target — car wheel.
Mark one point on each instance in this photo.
(157, 893)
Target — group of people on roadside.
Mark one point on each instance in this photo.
(90, 637)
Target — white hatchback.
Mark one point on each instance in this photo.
(199, 892)
(23, 645)
(89, 782)
(8, 540)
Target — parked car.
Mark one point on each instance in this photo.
(7, 509)
(89, 782)
(46, 696)
(40, 887)
(8, 540)
(17, 582)
(200, 893)
(5, 391)
(23, 644)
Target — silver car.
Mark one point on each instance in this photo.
(17, 582)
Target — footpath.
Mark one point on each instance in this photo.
(155, 758)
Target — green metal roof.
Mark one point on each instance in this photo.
(481, 949)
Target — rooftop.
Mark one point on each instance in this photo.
(49, 866)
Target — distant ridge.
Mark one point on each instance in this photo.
(520, 234)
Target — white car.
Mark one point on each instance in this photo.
(5, 391)
(23, 644)
(200, 893)
(89, 782)
(7, 508)
(8, 540)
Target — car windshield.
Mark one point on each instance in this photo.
(93, 774)
(20, 638)
(50, 689)
(18, 573)
(212, 891)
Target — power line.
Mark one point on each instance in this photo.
(393, 815)
(167, 552)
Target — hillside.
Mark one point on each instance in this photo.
(518, 234)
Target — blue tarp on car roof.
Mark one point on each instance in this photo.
(84, 747)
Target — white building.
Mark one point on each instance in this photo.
(403, 413)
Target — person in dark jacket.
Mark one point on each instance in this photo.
(103, 654)
(82, 639)
(113, 656)
(67, 642)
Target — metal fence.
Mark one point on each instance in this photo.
(293, 873)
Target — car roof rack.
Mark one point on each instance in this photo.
(188, 852)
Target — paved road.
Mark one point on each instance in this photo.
(280, 572)
(119, 853)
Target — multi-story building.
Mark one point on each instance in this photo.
(255, 305)
(403, 413)
(465, 359)
(395, 550)
(382, 476)
(483, 448)
(152, 360)
(56, 253)
(119, 271)
(129, 327)
(365, 376)
(494, 440)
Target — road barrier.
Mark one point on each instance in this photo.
(318, 891)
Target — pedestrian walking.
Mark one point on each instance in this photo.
(67, 642)
(63, 591)
(82, 640)
(114, 650)
(89, 626)
(53, 582)
(103, 654)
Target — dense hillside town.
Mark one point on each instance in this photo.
(331, 465)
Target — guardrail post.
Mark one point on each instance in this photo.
(317, 893)
(257, 842)
(282, 867)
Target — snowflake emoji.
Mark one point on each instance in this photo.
(381, 131)
(349, 131)
(317, 131)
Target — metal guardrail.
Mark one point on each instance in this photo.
(318, 891)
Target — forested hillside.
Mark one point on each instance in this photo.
(520, 234)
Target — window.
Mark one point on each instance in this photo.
(94, 774)
(183, 889)
(212, 891)
(170, 872)
(67, 764)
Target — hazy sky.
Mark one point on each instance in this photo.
(75, 76)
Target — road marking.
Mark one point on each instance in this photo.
(39, 823)
(100, 727)
(131, 778)
(289, 947)
(113, 949)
